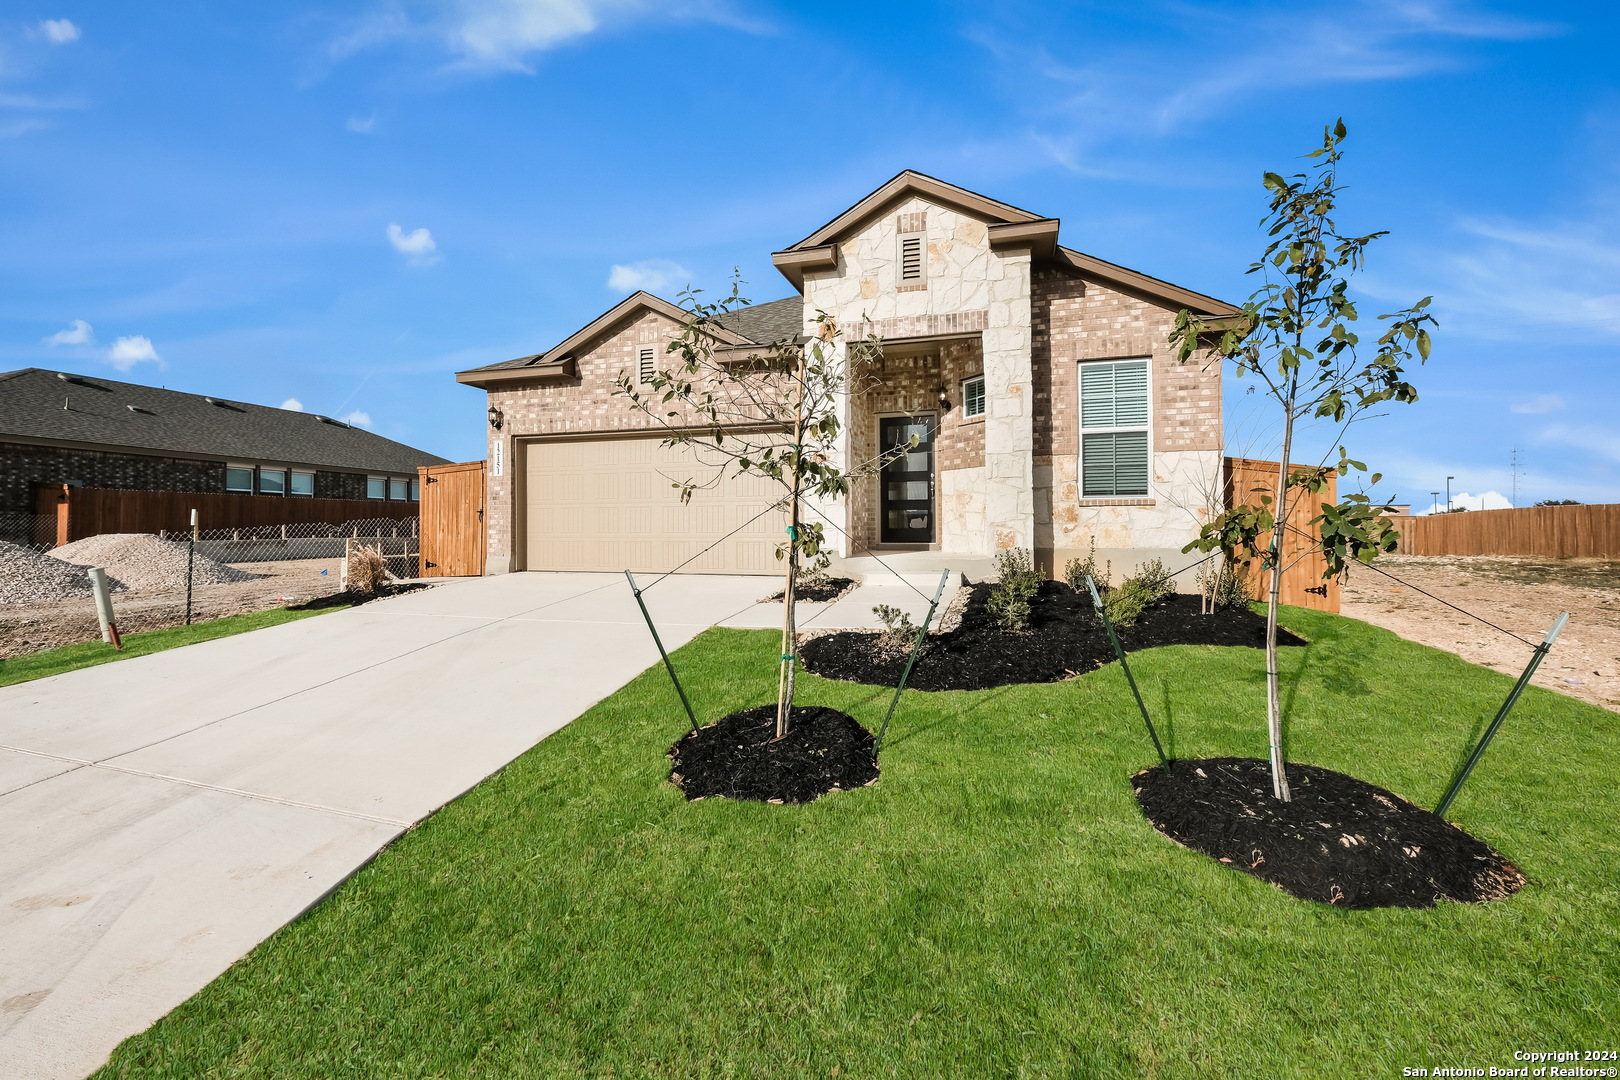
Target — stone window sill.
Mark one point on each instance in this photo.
(1116, 502)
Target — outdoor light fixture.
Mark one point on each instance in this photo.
(496, 417)
(944, 402)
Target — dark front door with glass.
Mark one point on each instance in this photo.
(907, 502)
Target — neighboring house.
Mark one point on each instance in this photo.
(61, 429)
(1040, 381)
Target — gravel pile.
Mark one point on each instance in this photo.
(27, 577)
(142, 561)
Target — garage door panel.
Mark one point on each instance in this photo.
(610, 504)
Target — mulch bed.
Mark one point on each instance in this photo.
(353, 598)
(820, 592)
(1065, 639)
(739, 756)
(1341, 841)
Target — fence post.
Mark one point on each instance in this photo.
(104, 608)
(191, 561)
(343, 572)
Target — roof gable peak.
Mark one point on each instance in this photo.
(908, 183)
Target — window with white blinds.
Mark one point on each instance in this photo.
(973, 396)
(911, 258)
(1114, 429)
(646, 362)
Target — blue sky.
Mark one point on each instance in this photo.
(231, 199)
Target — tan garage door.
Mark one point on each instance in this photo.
(607, 504)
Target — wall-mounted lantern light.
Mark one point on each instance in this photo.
(496, 417)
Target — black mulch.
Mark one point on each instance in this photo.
(353, 598)
(1065, 638)
(1341, 841)
(818, 593)
(739, 756)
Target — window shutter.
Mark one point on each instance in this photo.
(646, 362)
(911, 257)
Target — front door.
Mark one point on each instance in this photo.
(906, 505)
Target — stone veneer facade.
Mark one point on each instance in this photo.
(1008, 479)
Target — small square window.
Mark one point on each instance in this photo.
(416, 491)
(973, 396)
(272, 482)
(239, 479)
(303, 483)
(397, 489)
(376, 487)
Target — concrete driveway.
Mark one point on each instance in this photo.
(162, 815)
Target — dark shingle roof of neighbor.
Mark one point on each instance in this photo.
(108, 413)
(768, 323)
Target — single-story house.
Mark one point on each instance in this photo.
(1050, 409)
(58, 428)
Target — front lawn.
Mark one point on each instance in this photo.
(995, 906)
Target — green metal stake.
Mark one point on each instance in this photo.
(916, 647)
(1119, 651)
(669, 667)
(1502, 713)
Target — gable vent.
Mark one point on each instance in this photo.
(646, 362)
(911, 257)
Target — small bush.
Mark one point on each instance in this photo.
(898, 629)
(368, 570)
(1077, 570)
(1010, 597)
(1232, 587)
(1150, 585)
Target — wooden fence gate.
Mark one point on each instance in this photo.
(1302, 584)
(453, 520)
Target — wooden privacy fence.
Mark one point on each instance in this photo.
(82, 512)
(1555, 532)
(453, 535)
(1302, 584)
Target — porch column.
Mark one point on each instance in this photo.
(1009, 436)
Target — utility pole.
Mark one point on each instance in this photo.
(1449, 479)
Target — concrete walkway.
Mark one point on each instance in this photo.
(160, 816)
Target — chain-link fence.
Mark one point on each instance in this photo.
(397, 539)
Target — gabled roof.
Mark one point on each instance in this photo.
(1009, 226)
(760, 324)
(59, 407)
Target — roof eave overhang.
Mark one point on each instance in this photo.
(1151, 287)
(558, 361)
(794, 262)
(1040, 236)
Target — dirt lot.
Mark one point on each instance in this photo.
(29, 629)
(1521, 595)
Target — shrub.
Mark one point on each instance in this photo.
(1077, 570)
(898, 629)
(1232, 587)
(1009, 603)
(1151, 584)
(368, 570)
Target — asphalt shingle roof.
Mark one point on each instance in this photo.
(766, 324)
(119, 414)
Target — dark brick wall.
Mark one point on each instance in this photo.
(23, 467)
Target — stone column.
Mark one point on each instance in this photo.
(1009, 436)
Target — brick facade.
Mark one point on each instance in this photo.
(26, 466)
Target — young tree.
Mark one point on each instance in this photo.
(1295, 335)
(773, 413)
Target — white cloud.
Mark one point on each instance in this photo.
(78, 334)
(126, 352)
(1541, 403)
(358, 418)
(361, 125)
(1462, 500)
(649, 274)
(1602, 441)
(417, 245)
(292, 404)
(59, 31)
(501, 35)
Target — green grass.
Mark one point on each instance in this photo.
(995, 906)
(90, 653)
